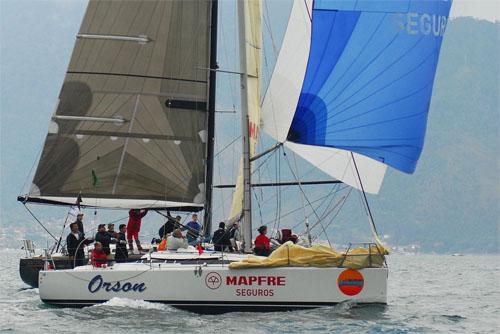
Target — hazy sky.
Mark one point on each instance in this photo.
(483, 9)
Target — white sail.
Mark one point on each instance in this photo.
(280, 102)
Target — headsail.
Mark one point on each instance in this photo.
(369, 77)
(281, 99)
(253, 38)
(132, 111)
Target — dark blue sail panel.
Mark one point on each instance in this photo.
(369, 77)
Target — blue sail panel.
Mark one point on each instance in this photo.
(369, 77)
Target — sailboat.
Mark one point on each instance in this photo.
(350, 93)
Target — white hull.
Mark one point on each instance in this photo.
(214, 287)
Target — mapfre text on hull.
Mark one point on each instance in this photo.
(214, 288)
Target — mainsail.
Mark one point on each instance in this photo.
(130, 128)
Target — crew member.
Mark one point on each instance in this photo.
(75, 242)
(176, 240)
(221, 239)
(121, 254)
(104, 238)
(194, 229)
(79, 222)
(262, 242)
(235, 235)
(99, 257)
(111, 231)
(134, 227)
(170, 225)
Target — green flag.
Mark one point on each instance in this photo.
(95, 180)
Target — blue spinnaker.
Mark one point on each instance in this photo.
(369, 77)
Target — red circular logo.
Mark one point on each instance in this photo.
(213, 280)
(350, 282)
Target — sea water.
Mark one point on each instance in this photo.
(426, 294)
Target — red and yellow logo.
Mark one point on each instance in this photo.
(350, 282)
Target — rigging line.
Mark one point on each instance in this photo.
(66, 219)
(39, 222)
(365, 198)
(225, 147)
(262, 163)
(323, 216)
(284, 188)
(308, 11)
(301, 195)
(268, 27)
(258, 205)
(360, 197)
(323, 200)
(339, 204)
(338, 211)
(225, 49)
(276, 215)
(332, 192)
(307, 199)
(220, 179)
(297, 209)
(278, 191)
(31, 170)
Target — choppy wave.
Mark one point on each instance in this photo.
(132, 303)
(424, 296)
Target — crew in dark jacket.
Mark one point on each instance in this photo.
(121, 254)
(221, 239)
(104, 238)
(79, 222)
(111, 231)
(169, 226)
(75, 242)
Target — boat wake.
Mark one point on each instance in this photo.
(132, 303)
(344, 306)
(29, 291)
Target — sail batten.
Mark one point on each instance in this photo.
(132, 110)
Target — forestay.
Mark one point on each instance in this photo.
(131, 123)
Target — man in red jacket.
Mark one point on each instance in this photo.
(99, 258)
(134, 227)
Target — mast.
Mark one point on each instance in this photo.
(245, 134)
(207, 221)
